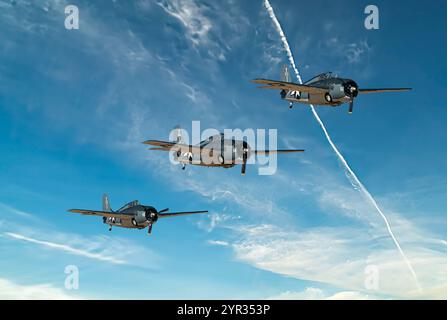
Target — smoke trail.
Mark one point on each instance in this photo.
(350, 174)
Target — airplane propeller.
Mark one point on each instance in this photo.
(244, 158)
(352, 91)
(351, 105)
(152, 217)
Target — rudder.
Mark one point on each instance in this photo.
(105, 203)
(285, 74)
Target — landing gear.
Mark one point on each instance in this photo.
(283, 94)
(221, 159)
(290, 105)
(110, 228)
(183, 166)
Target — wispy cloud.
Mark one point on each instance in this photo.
(10, 290)
(5, 207)
(353, 52)
(339, 257)
(356, 51)
(67, 249)
(192, 17)
(336, 255)
(212, 28)
(218, 243)
(107, 249)
(318, 294)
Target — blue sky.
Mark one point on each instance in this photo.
(75, 105)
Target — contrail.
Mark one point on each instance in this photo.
(350, 174)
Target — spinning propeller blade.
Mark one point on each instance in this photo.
(351, 106)
(244, 159)
(244, 166)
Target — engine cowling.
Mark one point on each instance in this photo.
(337, 91)
(351, 89)
(151, 216)
(140, 219)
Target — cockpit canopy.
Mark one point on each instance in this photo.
(129, 205)
(323, 76)
(217, 137)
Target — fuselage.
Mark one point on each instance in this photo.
(215, 152)
(339, 91)
(135, 216)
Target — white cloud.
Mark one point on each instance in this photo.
(350, 295)
(67, 249)
(107, 249)
(14, 210)
(10, 290)
(339, 257)
(213, 28)
(192, 17)
(211, 221)
(218, 243)
(314, 254)
(355, 51)
(318, 294)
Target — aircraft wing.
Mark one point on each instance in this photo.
(281, 85)
(267, 152)
(168, 146)
(364, 91)
(160, 145)
(106, 214)
(175, 214)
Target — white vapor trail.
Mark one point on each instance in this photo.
(350, 174)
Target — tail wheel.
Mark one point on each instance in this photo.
(328, 97)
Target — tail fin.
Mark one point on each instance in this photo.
(177, 135)
(285, 74)
(106, 204)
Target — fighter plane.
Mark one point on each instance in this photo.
(216, 151)
(132, 215)
(325, 89)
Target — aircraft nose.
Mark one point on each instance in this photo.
(351, 89)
